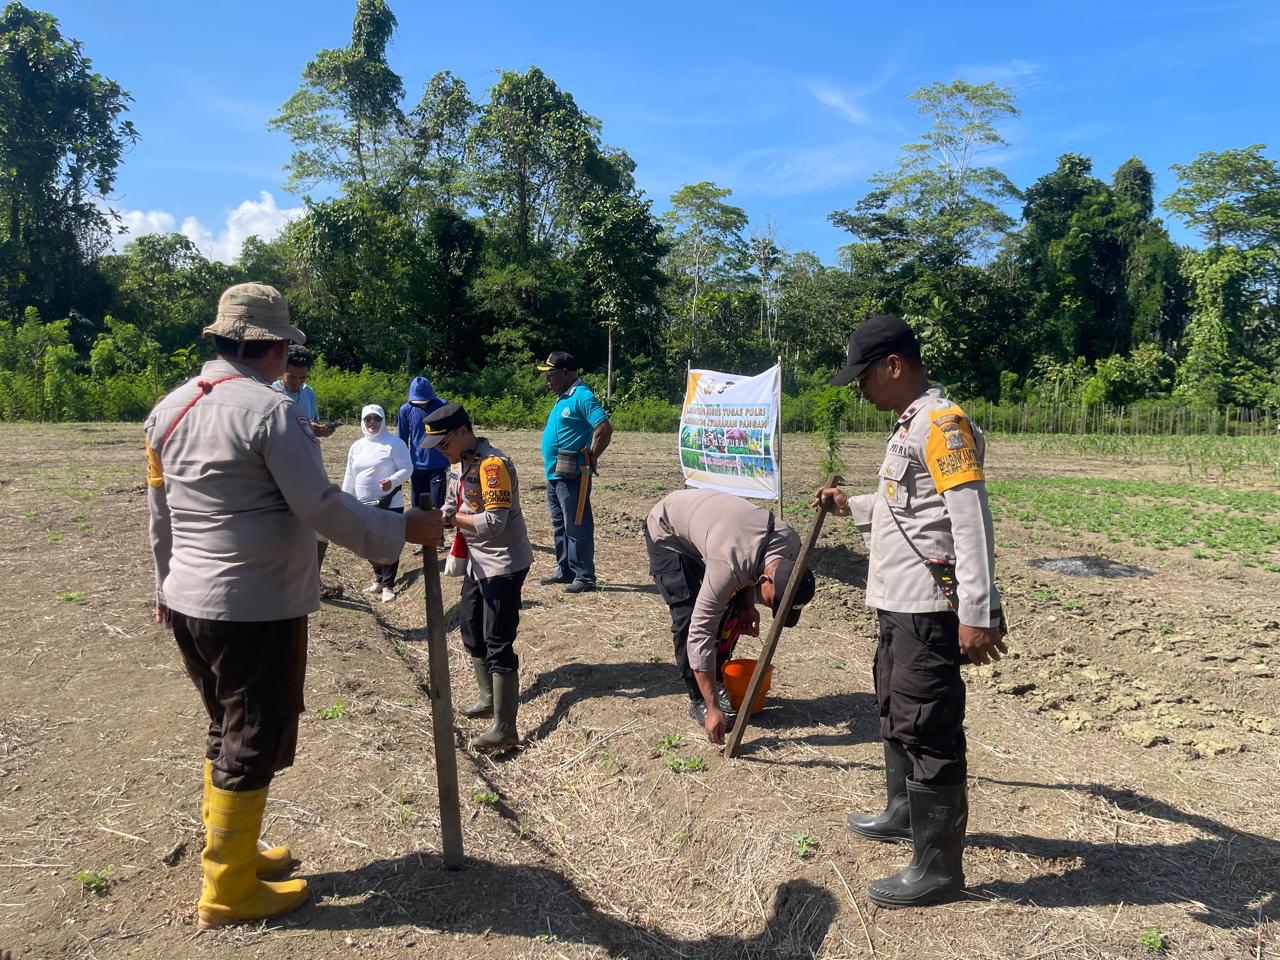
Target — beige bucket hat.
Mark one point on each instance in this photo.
(253, 311)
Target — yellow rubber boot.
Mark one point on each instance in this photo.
(232, 891)
(271, 862)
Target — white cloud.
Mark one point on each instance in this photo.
(1019, 74)
(839, 101)
(138, 222)
(261, 217)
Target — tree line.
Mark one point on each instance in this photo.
(466, 235)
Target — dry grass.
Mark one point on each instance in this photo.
(1081, 840)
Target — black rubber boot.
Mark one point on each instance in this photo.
(939, 815)
(894, 824)
(483, 707)
(501, 734)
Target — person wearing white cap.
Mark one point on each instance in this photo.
(378, 464)
(237, 493)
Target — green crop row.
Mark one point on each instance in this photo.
(1210, 522)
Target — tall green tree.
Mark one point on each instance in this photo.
(537, 158)
(620, 255)
(1232, 198)
(704, 234)
(345, 119)
(61, 137)
(435, 154)
(941, 205)
(925, 227)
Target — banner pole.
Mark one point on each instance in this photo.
(778, 439)
(684, 404)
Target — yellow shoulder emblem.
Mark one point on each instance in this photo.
(155, 470)
(951, 452)
(495, 484)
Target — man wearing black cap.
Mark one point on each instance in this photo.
(932, 581)
(715, 556)
(577, 422)
(483, 501)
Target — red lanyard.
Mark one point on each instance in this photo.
(206, 386)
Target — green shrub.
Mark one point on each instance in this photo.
(649, 416)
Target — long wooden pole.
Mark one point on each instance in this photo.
(775, 630)
(442, 714)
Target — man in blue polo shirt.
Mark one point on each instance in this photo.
(577, 421)
(294, 386)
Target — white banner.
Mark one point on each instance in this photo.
(728, 432)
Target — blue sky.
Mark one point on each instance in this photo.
(789, 105)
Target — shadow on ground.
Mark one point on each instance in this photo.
(578, 682)
(1231, 875)
(840, 562)
(532, 902)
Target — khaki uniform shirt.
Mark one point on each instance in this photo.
(933, 480)
(724, 534)
(235, 493)
(491, 494)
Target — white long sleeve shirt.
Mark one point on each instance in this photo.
(373, 459)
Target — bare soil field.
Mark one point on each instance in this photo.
(1124, 759)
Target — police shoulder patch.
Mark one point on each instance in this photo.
(495, 483)
(305, 424)
(951, 451)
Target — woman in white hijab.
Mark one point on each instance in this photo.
(378, 464)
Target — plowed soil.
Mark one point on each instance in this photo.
(1124, 760)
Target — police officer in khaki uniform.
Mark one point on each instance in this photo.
(931, 580)
(237, 493)
(483, 500)
(714, 557)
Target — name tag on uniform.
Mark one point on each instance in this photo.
(893, 485)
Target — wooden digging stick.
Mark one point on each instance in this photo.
(442, 714)
(775, 630)
(584, 485)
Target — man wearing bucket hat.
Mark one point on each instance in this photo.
(714, 555)
(576, 434)
(931, 581)
(237, 493)
(484, 502)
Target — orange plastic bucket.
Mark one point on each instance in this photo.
(737, 675)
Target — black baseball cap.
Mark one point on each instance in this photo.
(874, 340)
(804, 590)
(559, 360)
(441, 421)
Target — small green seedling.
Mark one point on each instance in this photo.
(95, 881)
(805, 843)
(487, 798)
(656, 658)
(836, 664)
(617, 641)
(523, 828)
(29, 515)
(670, 742)
(686, 764)
(401, 811)
(1152, 940)
(55, 537)
(71, 596)
(336, 712)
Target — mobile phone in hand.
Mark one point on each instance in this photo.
(334, 424)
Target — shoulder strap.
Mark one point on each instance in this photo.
(764, 546)
(942, 571)
(205, 388)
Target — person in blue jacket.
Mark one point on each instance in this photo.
(430, 468)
